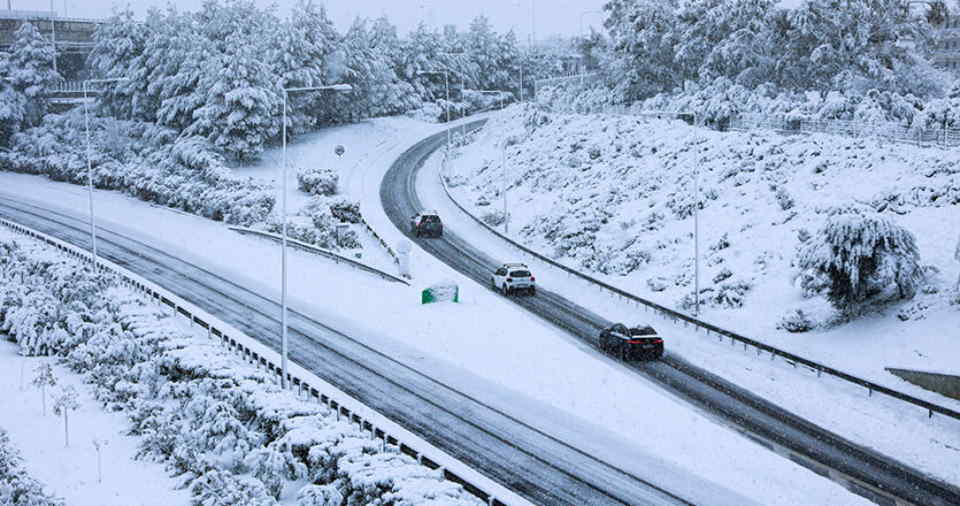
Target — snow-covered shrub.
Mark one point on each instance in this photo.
(346, 211)
(220, 488)
(657, 284)
(494, 217)
(783, 198)
(182, 173)
(865, 256)
(723, 275)
(318, 181)
(17, 487)
(795, 321)
(729, 295)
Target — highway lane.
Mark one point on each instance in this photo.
(530, 462)
(885, 478)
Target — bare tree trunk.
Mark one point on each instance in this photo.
(43, 397)
(66, 427)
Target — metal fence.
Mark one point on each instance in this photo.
(894, 132)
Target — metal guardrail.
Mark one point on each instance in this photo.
(383, 244)
(322, 252)
(790, 358)
(253, 352)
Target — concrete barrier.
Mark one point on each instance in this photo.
(946, 384)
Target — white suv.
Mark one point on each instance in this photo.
(514, 277)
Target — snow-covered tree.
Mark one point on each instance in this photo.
(220, 488)
(65, 401)
(43, 377)
(118, 52)
(319, 495)
(302, 55)
(865, 256)
(13, 110)
(239, 113)
(30, 70)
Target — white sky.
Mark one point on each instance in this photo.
(549, 17)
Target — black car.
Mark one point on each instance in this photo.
(426, 223)
(631, 343)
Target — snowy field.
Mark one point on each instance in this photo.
(71, 472)
(605, 195)
(530, 377)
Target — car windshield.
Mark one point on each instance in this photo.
(643, 331)
(430, 219)
(520, 274)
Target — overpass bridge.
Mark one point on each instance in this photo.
(73, 37)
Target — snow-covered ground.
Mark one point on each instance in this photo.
(545, 378)
(71, 472)
(611, 195)
(364, 143)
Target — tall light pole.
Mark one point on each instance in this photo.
(53, 31)
(696, 241)
(283, 227)
(86, 127)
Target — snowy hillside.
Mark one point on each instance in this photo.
(613, 196)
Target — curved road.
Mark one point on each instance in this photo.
(877, 476)
(528, 461)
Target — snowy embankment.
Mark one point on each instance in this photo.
(613, 196)
(227, 433)
(17, 486)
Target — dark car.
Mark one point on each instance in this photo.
(631, 343)
(426, 223)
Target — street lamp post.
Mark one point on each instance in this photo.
(86, 127)
(283, 226)
(53, 38)
(696, 242)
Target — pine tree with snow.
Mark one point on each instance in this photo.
(65, 401)
(303, 53)
(239, 114)
(43, 377)
(865, 256)
(30, 70)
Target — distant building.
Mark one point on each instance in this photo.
(73, 36)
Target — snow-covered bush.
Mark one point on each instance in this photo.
(865, 255)
(186, 174)
(728, 295)
(795, 321)
(226, 429)
(494, 217)
(657, 284)
(17, 487)
(318, 181)
(346, 211)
